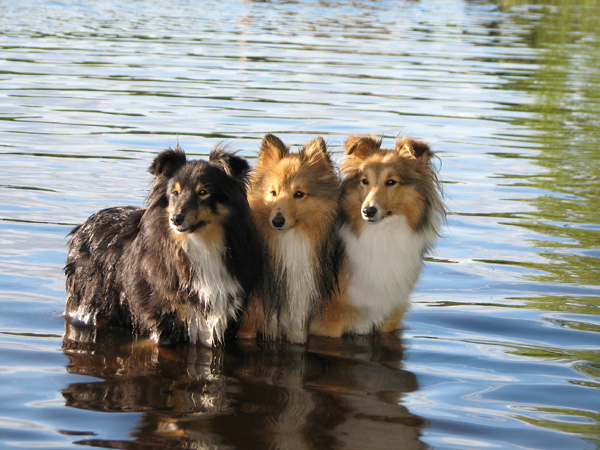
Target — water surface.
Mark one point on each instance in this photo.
(500, 349)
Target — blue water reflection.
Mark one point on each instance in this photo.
(501, 347)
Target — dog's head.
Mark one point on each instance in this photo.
(389, 182)
(198, 193)
(294, 189)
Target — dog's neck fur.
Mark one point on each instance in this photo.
(384, 261)
(295, 259)
(219, 293)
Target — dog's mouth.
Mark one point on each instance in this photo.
(281, 229)
(376, 219)
(187, 229)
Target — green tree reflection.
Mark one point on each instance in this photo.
(566, 119)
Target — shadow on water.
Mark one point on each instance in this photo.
(333, 394)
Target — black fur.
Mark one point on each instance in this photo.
(128, 267)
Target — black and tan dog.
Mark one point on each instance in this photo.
(179, 269)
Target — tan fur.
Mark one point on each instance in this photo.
(212, 232)
(394, 320)
(398, 182)
(303, 190)
(337, 314)
(253, 318)
(285, 173)
(407, 166)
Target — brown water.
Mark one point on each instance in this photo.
(501, 347)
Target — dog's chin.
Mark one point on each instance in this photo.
(281, 230)
(377, 219)
(371, 219)
(187, 229)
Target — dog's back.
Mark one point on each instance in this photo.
(94, 263)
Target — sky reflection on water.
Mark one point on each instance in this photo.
(501, 347)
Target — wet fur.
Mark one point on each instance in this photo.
(391, 213)
(179, 269)
(294, 199)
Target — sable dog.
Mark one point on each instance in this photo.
(179, 269)
(391, 212)
(294, 198)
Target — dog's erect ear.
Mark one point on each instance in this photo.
(362, 146)
(168, 162)
(272, 149)
(413, 149)
(233, 165)
(316, 152)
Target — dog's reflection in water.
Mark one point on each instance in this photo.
(333, 393)
(170, 386)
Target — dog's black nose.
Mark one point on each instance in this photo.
(369, 211)
(177, 219)
(278, 221)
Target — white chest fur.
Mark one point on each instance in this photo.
(385, 260)
(295, 256)
(216, 288)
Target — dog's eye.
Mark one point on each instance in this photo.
(364, 181)
(298, 194)
(174, 192)
(202, 192)
(273, 194)
(390, 182)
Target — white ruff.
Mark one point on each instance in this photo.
(295, 254)
(385, 260)
(216, 288)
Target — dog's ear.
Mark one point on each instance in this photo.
(413, 149)
(362, 146)
(272, 149)
(168, 162)
(316, 152)
(233, 165)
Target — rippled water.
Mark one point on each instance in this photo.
(501, 348)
